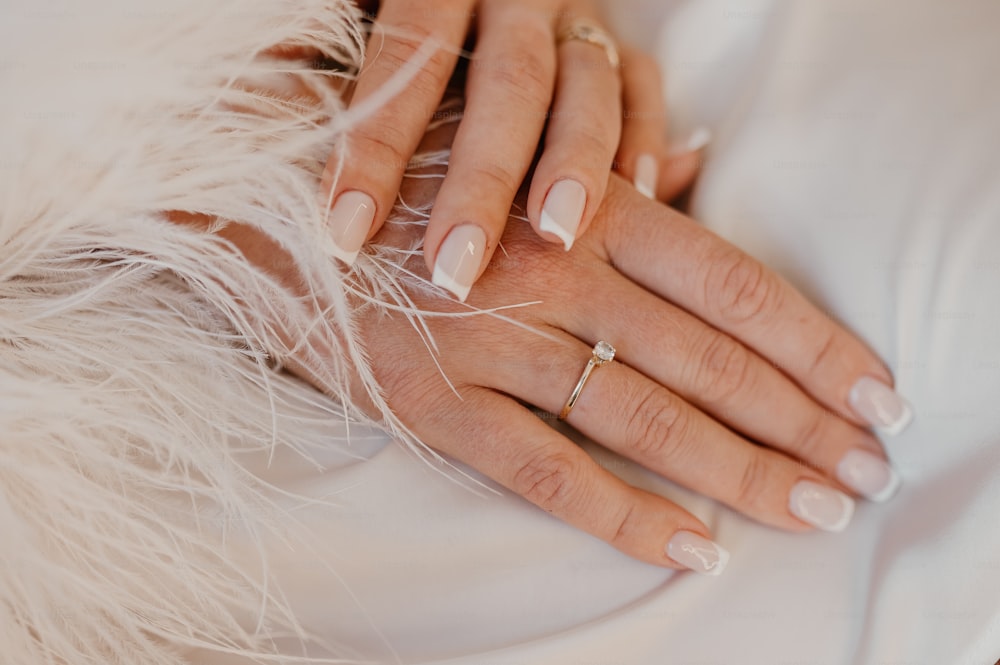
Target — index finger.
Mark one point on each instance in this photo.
(377, 150)
(673, 256)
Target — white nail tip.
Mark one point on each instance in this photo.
(349, 223)
(644, 189)
(699, 138)
(646, 175)
(880, 406)
(821, 506)
(549, 225)
(848, 514)
(562, 212)
(901, 423)
(459, 259)
(339, 252)
(868, 475)
(442, 279)
(698, 553)
(889, 491)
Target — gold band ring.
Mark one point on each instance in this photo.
(602, 355)
(585, 31)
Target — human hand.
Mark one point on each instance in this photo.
(522, 74)
(715, 355)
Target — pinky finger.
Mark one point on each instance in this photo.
(677, 175)
(659, 171)
(522, 453)
(643, 149)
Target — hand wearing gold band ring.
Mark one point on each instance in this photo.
(586, 31)
(531, 97)
(603, 354)
(747, 412)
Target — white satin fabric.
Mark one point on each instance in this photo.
(857, 151)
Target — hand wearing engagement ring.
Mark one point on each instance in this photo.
(685, 547)
(603, 354)
(694, 392)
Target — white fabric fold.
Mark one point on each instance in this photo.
(857, 152)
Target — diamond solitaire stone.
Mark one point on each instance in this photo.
(604, 352)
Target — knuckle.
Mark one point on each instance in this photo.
(753, 483)
(724, 371)
(502, 176)
(403, 42)
(380, 143)
(824, 353)
(810, 438)
(524, 76)
(658, 425)
(624, 526)
(407, 375)
(436, 402)
(546, 479)
(402, 46)
(741, 289)
(592, 146)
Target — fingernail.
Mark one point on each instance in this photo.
(697, 553)
(459, 258)
(563, 210)
(647, 171)
(821, 506)
(868, 475)
(350, 221)
(697, 140)
(880, 406)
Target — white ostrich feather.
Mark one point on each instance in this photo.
(131, 377)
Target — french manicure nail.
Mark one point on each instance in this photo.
(350, 221)
(459, 258)
(821, 506)
(563, 210)
(697, 140)
(868, 475)
(880, 406)
(647, 172)
(697, 553)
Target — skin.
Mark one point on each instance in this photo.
(520, 83)
(695, 394)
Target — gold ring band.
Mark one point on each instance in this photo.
(602, 355)
(585, 31)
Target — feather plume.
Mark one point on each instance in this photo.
(131, 376)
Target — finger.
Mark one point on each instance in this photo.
(643, 149)
(677, 175)
(364, 175)
(638, 418)
(580, 144)
(728, 381)
(673, 256)
(509, 92)
(508, 443)
(684, 162)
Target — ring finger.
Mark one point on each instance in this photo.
(733, 384)
(640, 419)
